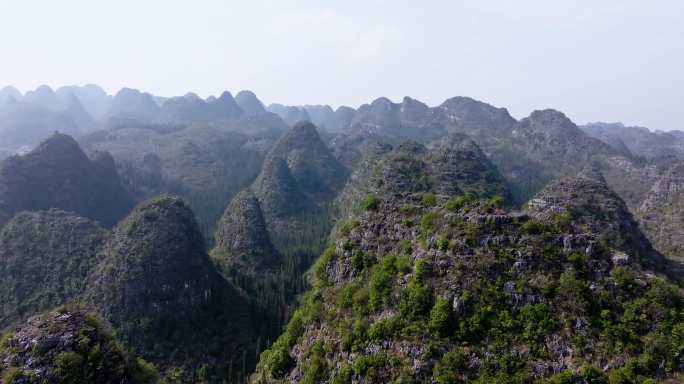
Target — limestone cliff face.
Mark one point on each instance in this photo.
(662, 213)
(45, 258)
(57, 174)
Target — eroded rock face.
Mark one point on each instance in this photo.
(68, 346)
(57, 174)
(242, 239)
(591, 204)
(45, 258)
(662, 213)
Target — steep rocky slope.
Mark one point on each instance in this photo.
(243, 245)
(456, 289)
(249, 103)
(68, 346)
(299, 175)
(454, 165)
(294, 191)
(595, 208)
(528, 153)
(544, 146)
(205, 165)
(57, 174)
(45, 258)
(662, 213)
(639, 141)
(632, 179)
(159, 289)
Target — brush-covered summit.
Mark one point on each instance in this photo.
(159, 289)
(456, 289)
(298, 174)
(68, 346)
(58, 174)
(452, 166)
(242, 240)
(592, 205)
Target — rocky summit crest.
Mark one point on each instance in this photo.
(591, 206)
(68, 346)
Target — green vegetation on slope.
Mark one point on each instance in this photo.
(477, 295)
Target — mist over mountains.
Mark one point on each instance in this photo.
(224, 240)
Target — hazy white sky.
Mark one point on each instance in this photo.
(611, 60)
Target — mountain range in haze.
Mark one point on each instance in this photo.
(147, 239)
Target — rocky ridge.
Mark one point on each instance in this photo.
(460, 290)
(661, 213)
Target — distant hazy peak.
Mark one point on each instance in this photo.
(130, 103)
(249, 102)
(464, 103)
(9, 91)
(59, 144)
